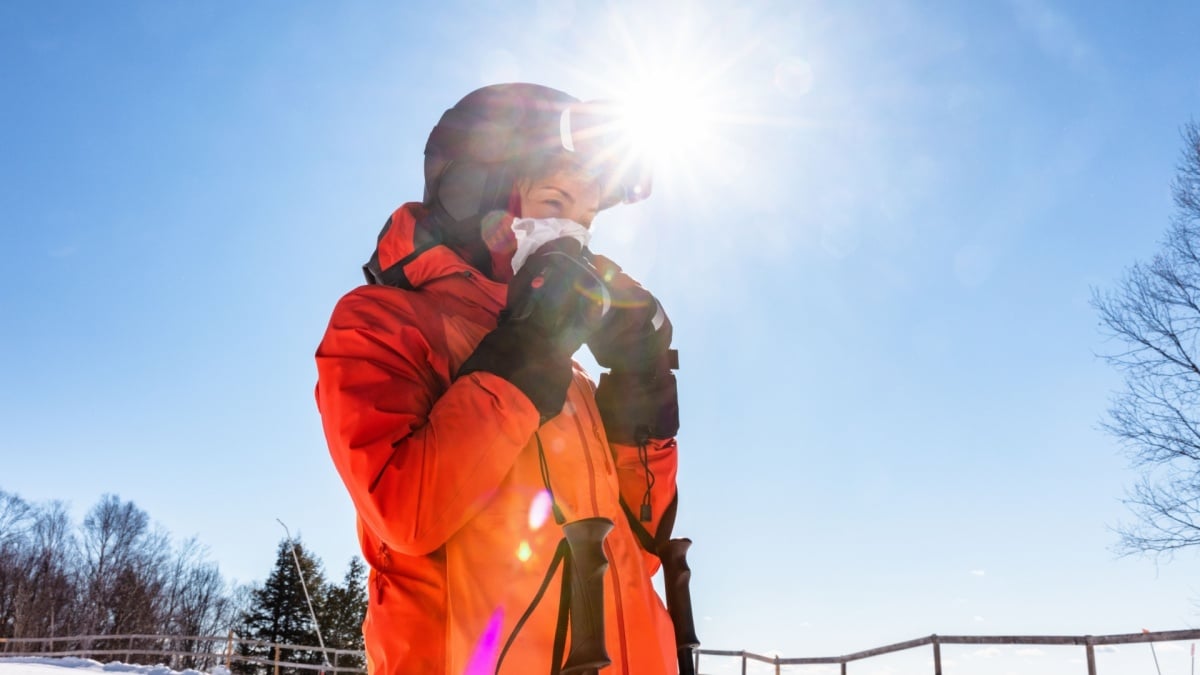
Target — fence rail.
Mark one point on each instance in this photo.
(128, 646)
(228, 654)
(1089, 642)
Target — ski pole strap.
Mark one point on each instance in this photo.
(559, 554)
(651, 542)
(564, 614)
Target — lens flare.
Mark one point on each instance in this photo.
(686, 82)
(524, 552)
(483, 659)
(539, 510)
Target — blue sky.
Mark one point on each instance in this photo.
(878, 262)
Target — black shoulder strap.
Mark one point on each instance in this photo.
(426, 237)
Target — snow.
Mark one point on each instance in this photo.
(43, 665)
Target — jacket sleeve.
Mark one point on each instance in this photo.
(649, 477)
(419, 455)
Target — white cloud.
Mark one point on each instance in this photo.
(978, 573)
(987, 652)
(1030, 651)
(977, 618)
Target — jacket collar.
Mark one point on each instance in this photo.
(408, 255)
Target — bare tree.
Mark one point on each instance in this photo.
(46, 601)
(122, 568)
(1154, 313)
(114, 575)
(16, 515)
(196, 602)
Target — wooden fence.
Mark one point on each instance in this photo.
(1088, 642)
(197, 652)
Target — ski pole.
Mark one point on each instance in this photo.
(1153, 653)
(586, 565)
(676, 577)
(307, 598)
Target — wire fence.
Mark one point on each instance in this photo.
(1088, 642)
(206, 652)
(202, 653)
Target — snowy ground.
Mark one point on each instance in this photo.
(41, 665)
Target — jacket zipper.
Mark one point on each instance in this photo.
(587, 456)
(604, 450)
(616, 578)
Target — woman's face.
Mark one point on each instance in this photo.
(566, 193)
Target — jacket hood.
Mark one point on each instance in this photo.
(407, 254)
(412, 249)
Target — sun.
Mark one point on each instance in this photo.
(669, 116)
(670, 83)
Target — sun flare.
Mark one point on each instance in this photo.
(671, 80)
(668, 117)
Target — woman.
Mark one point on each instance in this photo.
(472, 446)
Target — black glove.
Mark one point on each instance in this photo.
(554, 303)
(636, 335)
(638, 398)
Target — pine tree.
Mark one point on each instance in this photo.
(345, 608)
(278, 611)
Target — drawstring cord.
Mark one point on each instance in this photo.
(643, 445)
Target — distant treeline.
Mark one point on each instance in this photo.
(116, 574)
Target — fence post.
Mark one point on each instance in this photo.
(1091, 654)
(129, 651)
(776, 664)
(743, 662)
(843, 668)
(937, 655)
(276, 659)
(229, 651)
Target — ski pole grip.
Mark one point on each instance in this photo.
(677, 577)
(587, 565)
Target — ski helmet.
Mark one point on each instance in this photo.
(479, 146)
(492, 137)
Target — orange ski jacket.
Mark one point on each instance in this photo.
(448, 483)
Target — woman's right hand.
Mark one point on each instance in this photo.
(555, 302)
